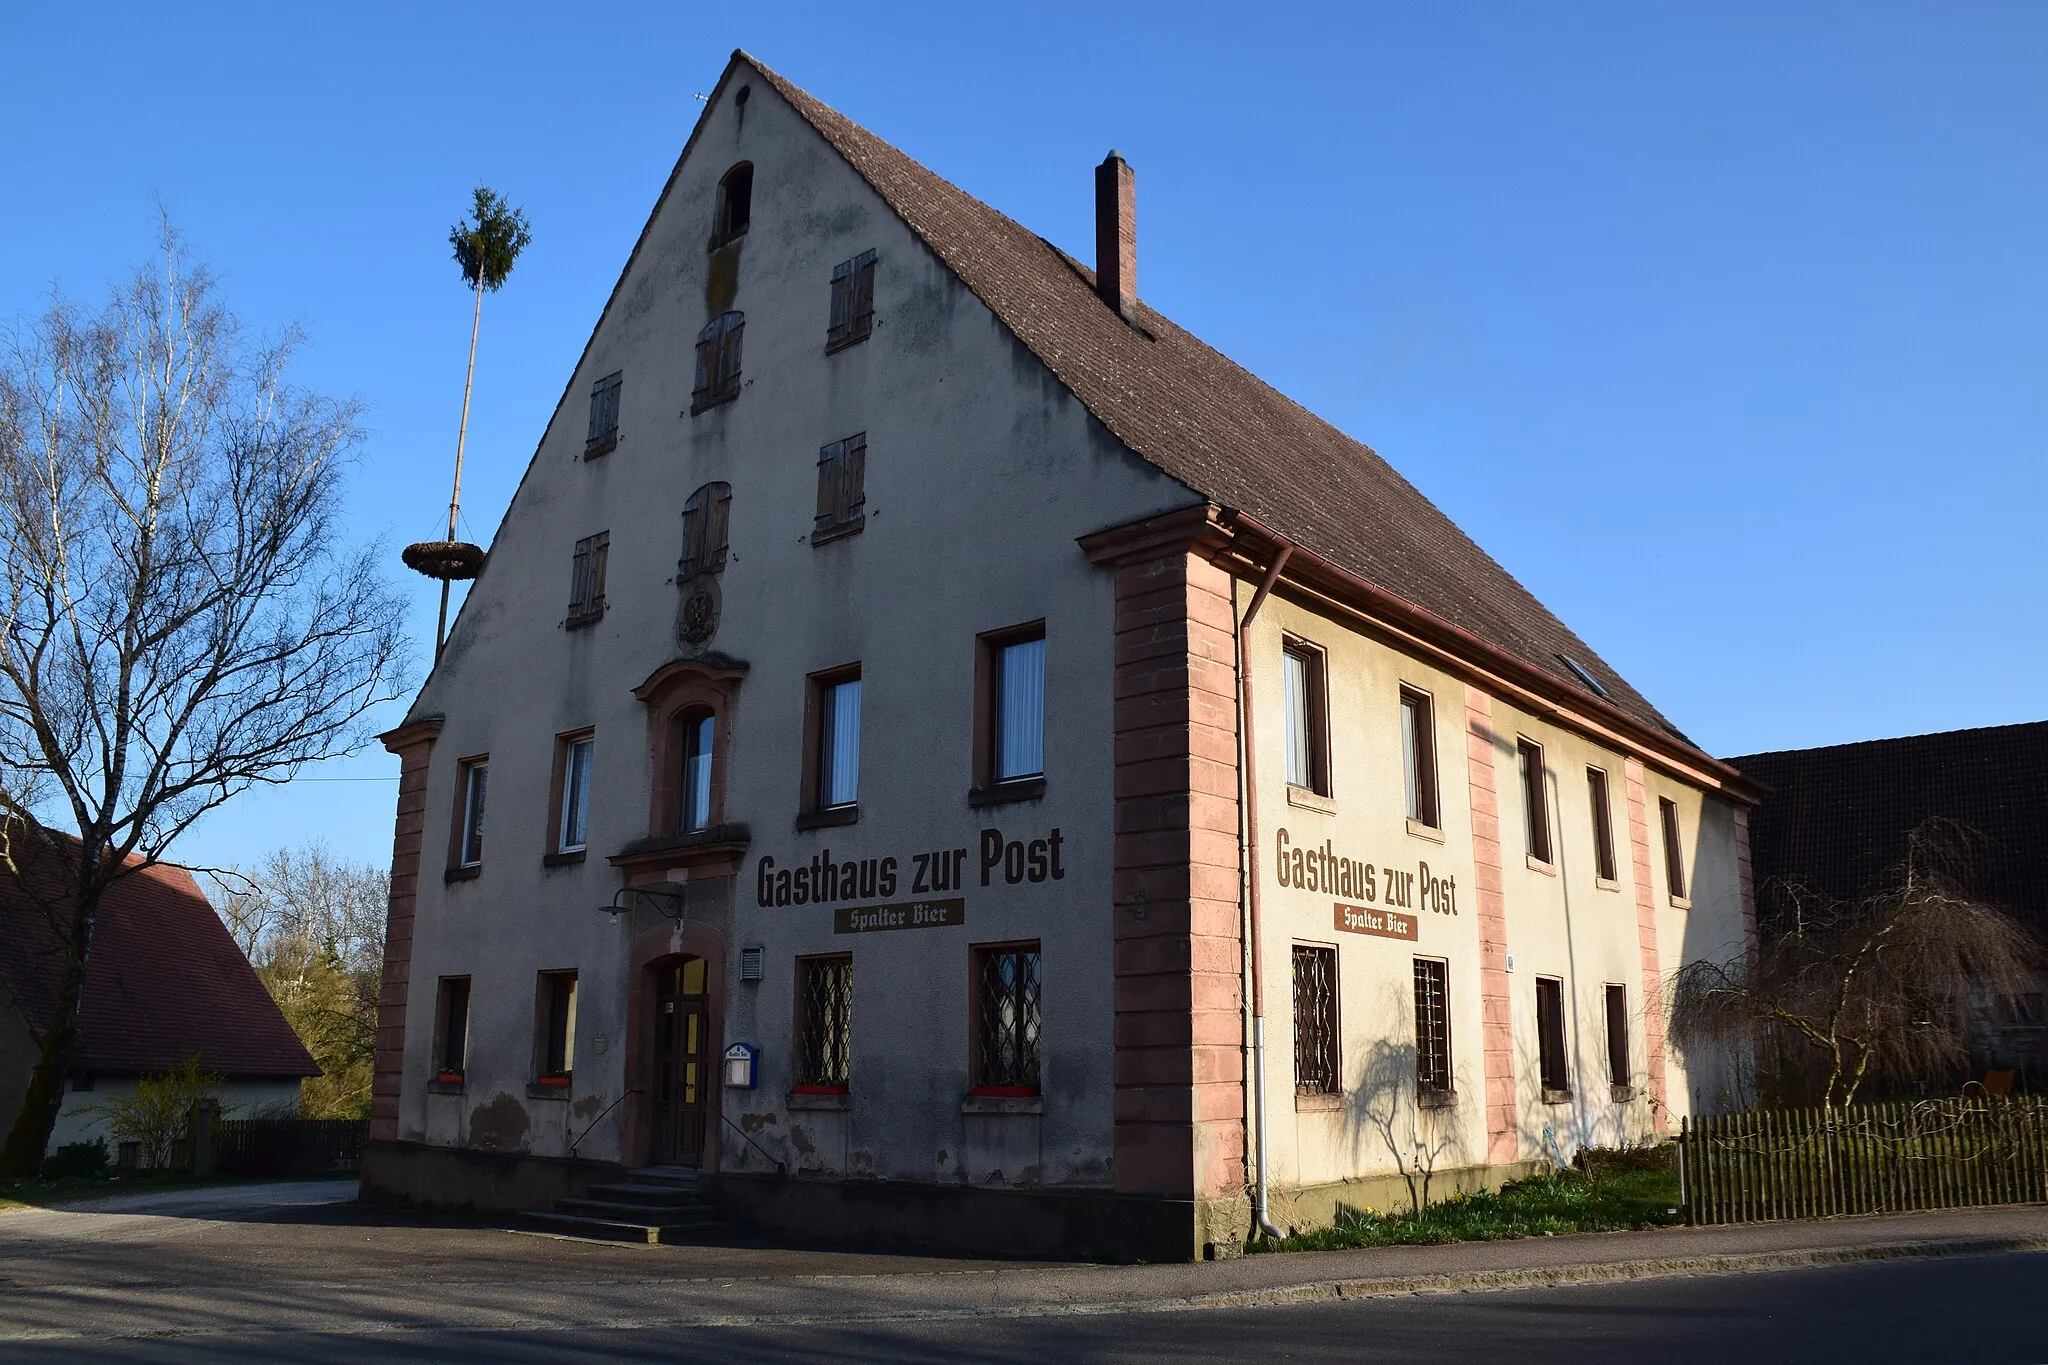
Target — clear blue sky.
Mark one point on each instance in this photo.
(1725, 328)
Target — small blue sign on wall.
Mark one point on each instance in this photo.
(739, 1066)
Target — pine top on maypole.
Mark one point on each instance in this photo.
(485, 249)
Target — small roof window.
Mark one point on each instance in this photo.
(1592, 683)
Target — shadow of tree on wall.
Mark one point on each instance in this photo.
(1382, 1114)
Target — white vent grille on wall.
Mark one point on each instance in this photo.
(750, 964)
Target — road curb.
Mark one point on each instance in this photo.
(1389, 1286)
(1378, 1287)
(1597, 1272)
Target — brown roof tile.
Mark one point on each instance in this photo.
(1210, 424)
(1837, 818)
(165, 981)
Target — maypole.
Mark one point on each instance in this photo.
(485, 249)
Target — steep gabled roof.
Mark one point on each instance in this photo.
(1206, 421)
(165, 980)
(1837, 818)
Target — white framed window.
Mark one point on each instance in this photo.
(476, 775)
(1020, 709)
(577, 755)
(1674, 848)
(700, 733)
(1308, 739)
(1535, 799)
(839, 742)
(1418, 756)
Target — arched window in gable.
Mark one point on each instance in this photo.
(718, 361)
(689, 713)
(696, 743)
(704, 530)
(734, 207)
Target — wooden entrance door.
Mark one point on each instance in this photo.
(682, 1072)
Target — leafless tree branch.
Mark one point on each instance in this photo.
(180, 619)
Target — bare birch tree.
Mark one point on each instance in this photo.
(1880, 989)
(179, 618)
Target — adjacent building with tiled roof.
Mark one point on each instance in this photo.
(165, 982)
(1836, 821)
(1837, 818)
(967, 762)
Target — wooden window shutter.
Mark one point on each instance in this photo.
(842, 299)
(600, 551)
(831, 460)
(842, 477)
(729, 355)
(693, 534)
(579, 578)
(704, 522)
(861, 308)
(853, 468)
(707, 365)
(604, 415)
(718, 361)
(717, 511)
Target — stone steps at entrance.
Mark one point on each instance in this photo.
(630, 1211)
(653, 1204)
(653, 1196)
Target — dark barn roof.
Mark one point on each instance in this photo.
(165, 980)
(1837, 818)
(1214, 426)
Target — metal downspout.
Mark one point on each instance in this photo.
(1248, 860)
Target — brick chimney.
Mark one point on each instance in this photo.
(1116, 234)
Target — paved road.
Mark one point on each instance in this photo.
(1987, 1310)
(297, 1272)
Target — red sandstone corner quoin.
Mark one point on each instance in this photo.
(414, 745)
(1179, 951)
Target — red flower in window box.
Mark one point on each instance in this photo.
(449, 1077)
(554, 1080)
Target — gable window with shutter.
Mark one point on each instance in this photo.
(853, 302)
(604, 416)
(718, 362)
(586, 580)
(705, 517)
(842, 489)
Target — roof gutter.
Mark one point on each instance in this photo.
(1459, 651)
(1247, 861)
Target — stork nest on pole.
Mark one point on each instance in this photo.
(445, 559)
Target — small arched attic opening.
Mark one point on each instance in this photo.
(735, 204)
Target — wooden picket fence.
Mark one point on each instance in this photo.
(1870, 1158)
